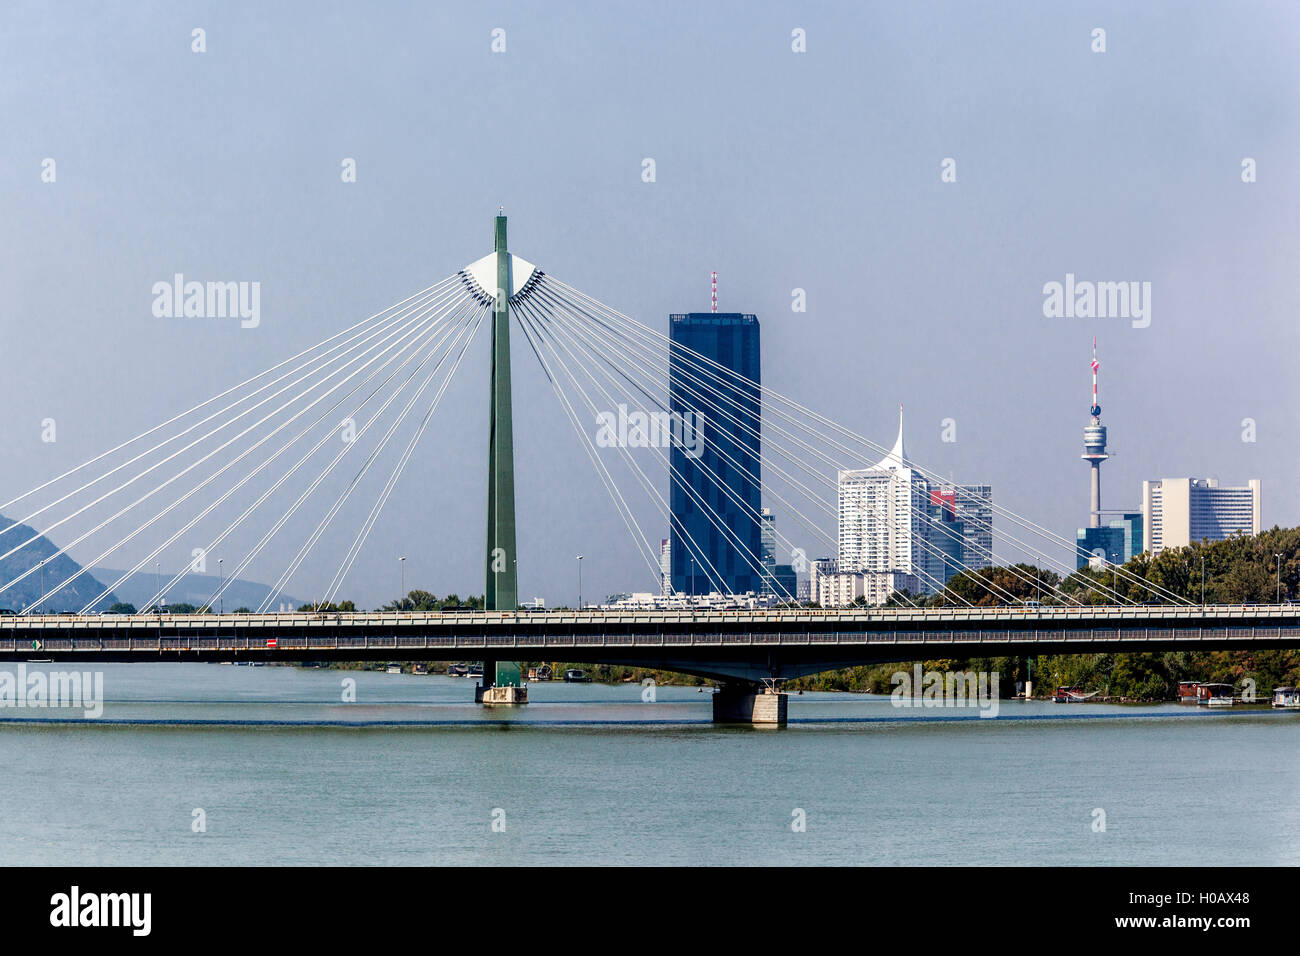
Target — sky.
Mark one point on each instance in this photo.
(820, 170)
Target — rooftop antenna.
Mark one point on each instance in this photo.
(1095, 409)
(715, 291)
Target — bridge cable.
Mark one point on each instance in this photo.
(656, 498)
(257, 549)
(429, 330)
(231, 390)
(373, 456)
(45, 532)
(1017, 519)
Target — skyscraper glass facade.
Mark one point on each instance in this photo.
(715, 535)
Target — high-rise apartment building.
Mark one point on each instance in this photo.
(1179, 511)
(893, 520)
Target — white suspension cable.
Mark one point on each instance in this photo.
(841, 429)
(261, 544)
(366, 465)
(301, 394)
(676, 347)
(713, 477)
(429, 329)
(711, 573)
(232, 389)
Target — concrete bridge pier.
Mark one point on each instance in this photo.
(500, 694)
(762, 705)
(505, 686)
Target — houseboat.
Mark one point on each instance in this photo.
(1214, 695)
(420, 670)
(393, 669)
(457, 670)
(542, 673)
(1286, 698)
(1187, 691)
(575, 676)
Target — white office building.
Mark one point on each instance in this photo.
(882, 516)
(1179, 511)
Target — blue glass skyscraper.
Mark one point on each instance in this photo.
(716, 535)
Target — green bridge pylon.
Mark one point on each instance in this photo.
(502, 590)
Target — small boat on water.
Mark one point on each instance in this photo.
(393, 669)
(457, 670)
(420, 669)
(542, 673)
(1187, 691)
(1071, 695)
(1214, 695)
(1286, 698)
(575, 676)
(475, 670)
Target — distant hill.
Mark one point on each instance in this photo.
(193, 589)
(71, 598)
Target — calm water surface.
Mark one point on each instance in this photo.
(411, 773)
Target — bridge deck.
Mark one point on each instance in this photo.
(736, 644)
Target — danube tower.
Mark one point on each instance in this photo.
(1094, 444)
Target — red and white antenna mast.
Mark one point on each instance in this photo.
(1095, 409)
(714, 276)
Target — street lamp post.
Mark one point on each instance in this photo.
(579, 582)
(402, 596)
(42, 609)
(1202, 582)
(221, 583)
(1279, 577)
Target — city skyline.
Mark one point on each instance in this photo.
(914, 288)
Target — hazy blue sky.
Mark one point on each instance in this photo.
(818, 170)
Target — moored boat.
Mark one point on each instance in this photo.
(1214, 695)
(1286, 698)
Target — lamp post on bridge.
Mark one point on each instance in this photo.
(579, 582)
(401, 597)
(1279, 577)
(1202, 583)
(221, 583)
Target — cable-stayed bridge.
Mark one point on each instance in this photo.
(321, 439)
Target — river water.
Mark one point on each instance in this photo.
(213, 765)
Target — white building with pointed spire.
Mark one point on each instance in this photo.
(893, 525)
(882, 513)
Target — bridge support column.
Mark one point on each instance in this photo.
(756, 704)
(501, 679)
